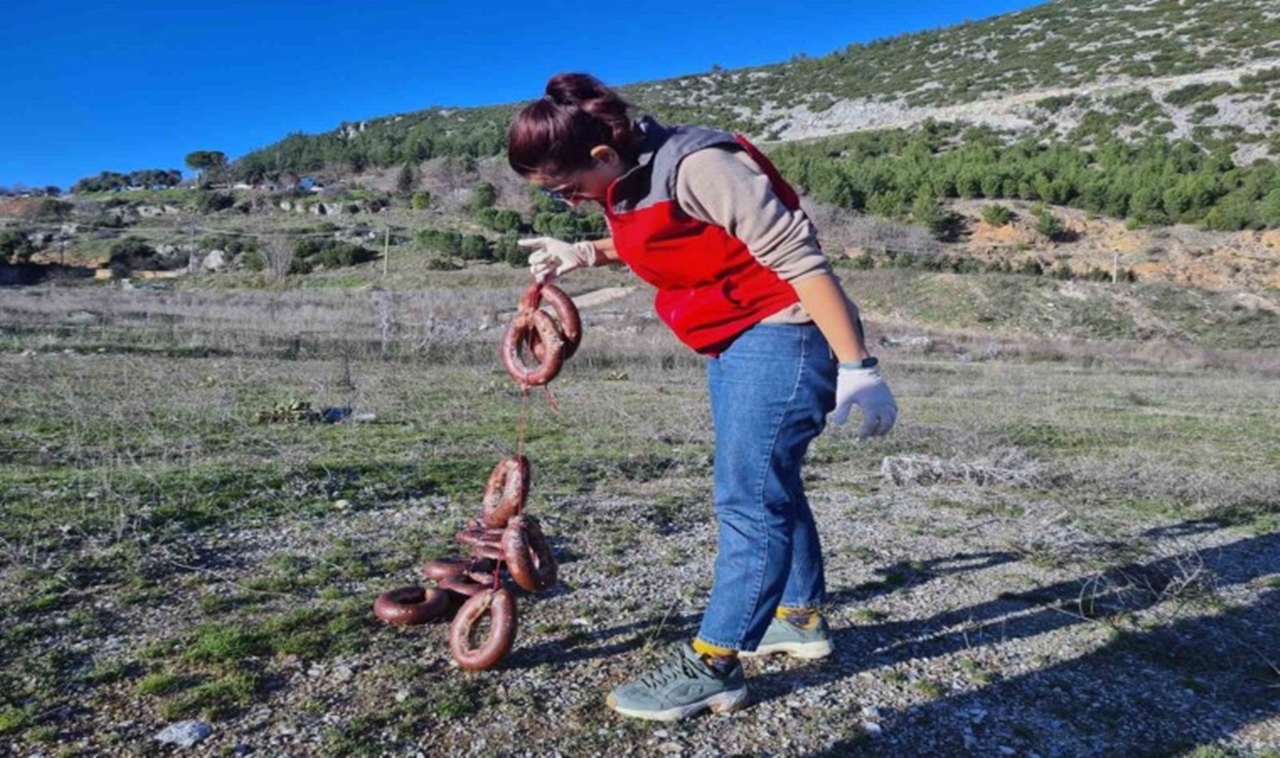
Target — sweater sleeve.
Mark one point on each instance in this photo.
(725, 187)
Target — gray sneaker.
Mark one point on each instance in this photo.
(681, 687)
(783, 636)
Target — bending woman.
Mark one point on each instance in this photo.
(705, 218)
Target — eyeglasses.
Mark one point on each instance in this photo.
(568, 193)
(565, 193)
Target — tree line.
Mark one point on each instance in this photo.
(1151, 183)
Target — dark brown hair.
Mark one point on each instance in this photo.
(554, 135)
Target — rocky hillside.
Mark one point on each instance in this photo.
(1203, 70)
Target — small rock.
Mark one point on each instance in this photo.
(872, 729)
(1004, 750)
(185, 733)
(661, 734)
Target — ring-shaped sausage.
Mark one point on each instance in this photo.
(567, 317)
(528, 555)
(477, 534)
(487, 550)
(412, 605)
(519, 336)
(443, 568)
(500, 605)
(505, 494)
(463, 585)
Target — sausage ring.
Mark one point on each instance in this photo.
(477, 534)
(462, 585)
(501, 607)
(567, 317)
(519, 334)
(506, 491)
(443, 568)
(528, 555)
(487, 550)
(412, 605)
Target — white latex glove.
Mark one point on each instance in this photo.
(552, 257)
(865, 388)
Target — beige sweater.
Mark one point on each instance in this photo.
(725, 187)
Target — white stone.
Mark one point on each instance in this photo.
(184, 733)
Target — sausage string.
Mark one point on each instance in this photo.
(504, 541)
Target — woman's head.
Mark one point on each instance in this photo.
(575, 140)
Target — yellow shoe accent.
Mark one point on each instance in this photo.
(802, 618)
(712, 651)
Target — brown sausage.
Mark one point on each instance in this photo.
(501, 607)
(487, 550)
(528, 555)
(567, 317)
(531, 298)
(475, 534)
(463, 585)
(412, 605)
(443, 568)
(505, 494)
(519, 335)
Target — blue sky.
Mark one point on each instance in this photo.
(93, 86)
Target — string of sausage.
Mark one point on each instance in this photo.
(534, 348)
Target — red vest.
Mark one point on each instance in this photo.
(710, 287)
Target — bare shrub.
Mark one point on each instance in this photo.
(1005, 467)
(280, 253)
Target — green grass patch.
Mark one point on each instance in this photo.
(161, 683)
(214, 698)
(227, 643)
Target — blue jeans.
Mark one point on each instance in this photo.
(771, 391)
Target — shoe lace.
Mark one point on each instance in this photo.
(679, 667)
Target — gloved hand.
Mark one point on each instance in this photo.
(865, 388)
(552, 257)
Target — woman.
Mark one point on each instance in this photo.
(705, 218)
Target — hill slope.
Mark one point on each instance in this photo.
(1077, 55)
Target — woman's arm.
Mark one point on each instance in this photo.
(606, 252)
(834, 314)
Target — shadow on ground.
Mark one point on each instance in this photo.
(1154, 692)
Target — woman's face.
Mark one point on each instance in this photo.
(591, 183)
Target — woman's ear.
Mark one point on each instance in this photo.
(604, 154)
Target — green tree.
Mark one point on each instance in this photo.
(1049, 225)
(997, 215)
(407, 179)
(484, 196)
(476, 248)
(209, 163)
(928, 211)
(15, 246)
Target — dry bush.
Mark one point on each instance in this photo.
(280, 253)
(1007, 467)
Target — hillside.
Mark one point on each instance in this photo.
(1076, 56)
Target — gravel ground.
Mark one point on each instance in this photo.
(1001, 637)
